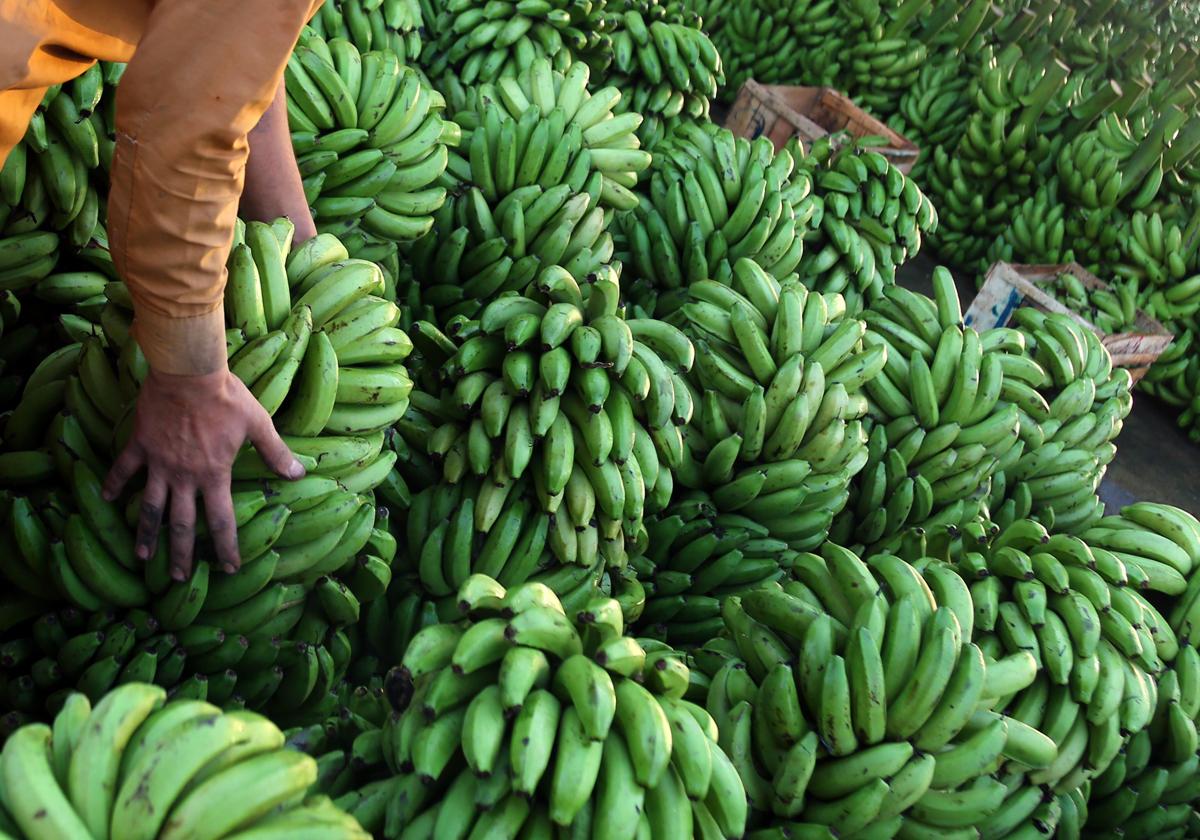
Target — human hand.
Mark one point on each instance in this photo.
(187, 432)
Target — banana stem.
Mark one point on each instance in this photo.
(1184, 146)
(1019, 25)
(1150, 149)
(1051, 83)
(937, 21)
(1134, 89)
(969, 22)
(909, 10)
(1097, 10)
(1063, 18)
(1091, 108)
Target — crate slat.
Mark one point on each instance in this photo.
(779, 112)
(1010, 285)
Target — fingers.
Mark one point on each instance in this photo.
(183, 531)
(154, 501)
(128, 462)
(222, 526)
(274, 451)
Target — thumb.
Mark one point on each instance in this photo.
(274, 451)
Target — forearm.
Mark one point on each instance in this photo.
(184, 113)
(273, 186)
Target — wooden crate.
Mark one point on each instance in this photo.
(1009, 285)
(779, 112)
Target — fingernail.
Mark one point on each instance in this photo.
(108, 495)
(178, 574)
(143, 552)
(296, 470)
(230, 568)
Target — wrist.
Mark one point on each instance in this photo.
(182, 346)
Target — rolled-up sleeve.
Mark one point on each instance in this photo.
(202, 75)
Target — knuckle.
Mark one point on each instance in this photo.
(182, 530)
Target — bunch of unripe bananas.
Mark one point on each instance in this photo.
(696, 558)
(478, 44)
(778, 433)
(856, 699)
(869, 219)
(771, 42)
(664, 63)
(369, 137)
(55, 177)
(716, 198)
(561, 407)
(1072, 404)
(134, 765)
(942, 419)
(396, 25)
(522, 714)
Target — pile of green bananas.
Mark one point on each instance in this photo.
(607, 136)
(869, 220)
(665, 65)
(942, 422)
(1071, 405)
(136, 766)
(56, 177)
(569, 404)
(771, 41)
(979, 182)
(776, 437)
(695, 559)
(603, 742)
(855, 701)
(369, 137)
(477, 44)
(396, 25)
(714, 199)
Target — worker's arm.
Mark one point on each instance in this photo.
(202, 76)
(273, 186)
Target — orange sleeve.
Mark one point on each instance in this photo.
(202, 75)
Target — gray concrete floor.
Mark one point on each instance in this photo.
(1156, 461)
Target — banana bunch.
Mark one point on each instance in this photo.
(773, 42)
(396, 25)
(935, 107)
(696, 558)
(1090, 172)
(586, 404)
(1071, 406)
(996, 162)
(667, 67)
(286, 607)
(386, 627)
(776, 437)
(870, 219)
(481, 249)
(715, 199)
(631, 756)
(26, 258)
(1175, 375)
(1153, 252)
(136, 766)
(1095, 649)
(880, 62)
(55, 178)
(1150, 787)
(523, 544)
(942, 424)
(1036, 232)
(585, 132)
(853, 701)
(310, 336)
(369, 136)
(481, 45)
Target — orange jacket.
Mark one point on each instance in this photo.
(201, 73)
